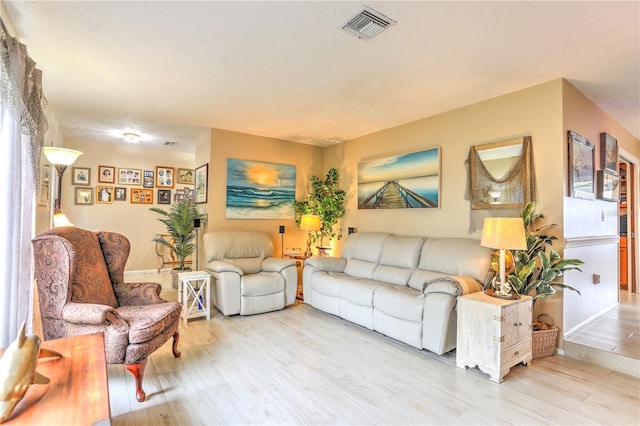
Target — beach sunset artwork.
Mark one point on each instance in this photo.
(260, 190)
(400, 182)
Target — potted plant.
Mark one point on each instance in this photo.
(327, 201)
(535, 271)
(179, 222)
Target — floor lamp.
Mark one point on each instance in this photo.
(60, 158)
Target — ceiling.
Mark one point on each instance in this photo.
(169, 70)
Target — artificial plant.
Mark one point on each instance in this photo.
(326, 200)
(179, 221)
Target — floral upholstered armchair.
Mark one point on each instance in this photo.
(81, 290)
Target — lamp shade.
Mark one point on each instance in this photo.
(504, 233)
(310, 222)
(60, 219)
(61, 156)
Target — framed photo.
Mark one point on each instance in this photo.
(185, 176)
(581, 170)
(81, 176)
(164, 177)
(201, 180)
(164, 196)
(84, 196)
(121, 193)
(608, 186)
(609, 153)
(148, 179)
(129, 176)
(183, 194)
(105, 194)
(106, 174)
(141, 196)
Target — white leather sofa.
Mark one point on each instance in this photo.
(246, 279)
(403, 287)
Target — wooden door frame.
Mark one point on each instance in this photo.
(632, 217)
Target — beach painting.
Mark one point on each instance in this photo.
(400, 182)
(260, 190)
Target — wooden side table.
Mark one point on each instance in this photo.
(493, 334)
(78, 391)
(194, 292)
(300, 258)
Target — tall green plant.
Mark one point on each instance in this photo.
(327, 201)
(179, 221)
(537, 267)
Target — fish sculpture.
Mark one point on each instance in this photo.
(18, 371)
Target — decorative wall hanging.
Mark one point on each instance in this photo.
(201, 180)
(400, 182)
(105, 194)
(608, 186)
(608, 153)
(500, 179)
(260, 190)
(148, 179)
(121, 194)
(106, 174)
(141, 196)
(81, 176)
(581, 169)
(129, 176)
(164, 196)
(164, 177)
(185, 176)
(83, 196)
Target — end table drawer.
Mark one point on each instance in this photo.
(517, 353)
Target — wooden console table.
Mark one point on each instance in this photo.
(78, 391)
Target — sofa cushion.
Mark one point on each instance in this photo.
(400, 302)
(327, 283)
(456, 256)
(148, 321)
(365, 246)
(248, 265)
(358, 292)
(359, 268)
(392, 274)
(262, 284)
(403, 252)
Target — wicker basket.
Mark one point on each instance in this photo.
(543, 342)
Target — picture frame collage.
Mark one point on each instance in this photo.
(137, 186)
(584, 180)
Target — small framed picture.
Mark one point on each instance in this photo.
(84, 196)
(164, 177)
(581, 167)
(201, 183)
(121, 194)
(608, 186)
(148, 179)
(81, 176)
(141, 196)
(105, 194)
(106, 174)
(609, 153)
(185, 176)
(164, 196)
(129, 176)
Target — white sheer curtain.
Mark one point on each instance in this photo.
(22, 128)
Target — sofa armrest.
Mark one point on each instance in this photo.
(274, 264)
(134, 294)
(220, 266)
(452, 285)
(327, 264)
(91, 314)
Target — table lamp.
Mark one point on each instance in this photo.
(503, 233)
(309, 223)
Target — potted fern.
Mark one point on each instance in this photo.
(327, 201)
(535, 271)
(179, 222)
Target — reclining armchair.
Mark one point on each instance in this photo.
(81, 290)
(247, 280)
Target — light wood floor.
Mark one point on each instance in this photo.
(301, 366)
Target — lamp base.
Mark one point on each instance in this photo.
(511, 296)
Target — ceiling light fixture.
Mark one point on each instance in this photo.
(131, 137)
(367, 24)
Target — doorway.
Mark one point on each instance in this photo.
(628, 242)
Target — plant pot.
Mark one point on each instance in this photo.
(174, 276)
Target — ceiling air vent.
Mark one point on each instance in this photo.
(367, 24)
(169, 143)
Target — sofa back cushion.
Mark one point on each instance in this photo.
(456, 256)
(365, 246)
(360, 268)
(221, 245)
(398, 260)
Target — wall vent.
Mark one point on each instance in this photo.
(367, 24)
(169, 143)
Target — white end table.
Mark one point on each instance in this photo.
(194, 292)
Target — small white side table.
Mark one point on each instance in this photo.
(194, 292)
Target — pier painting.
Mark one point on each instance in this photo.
(400, 182)
(260, 190)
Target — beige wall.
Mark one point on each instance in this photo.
(135, 221)
(226, 144)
